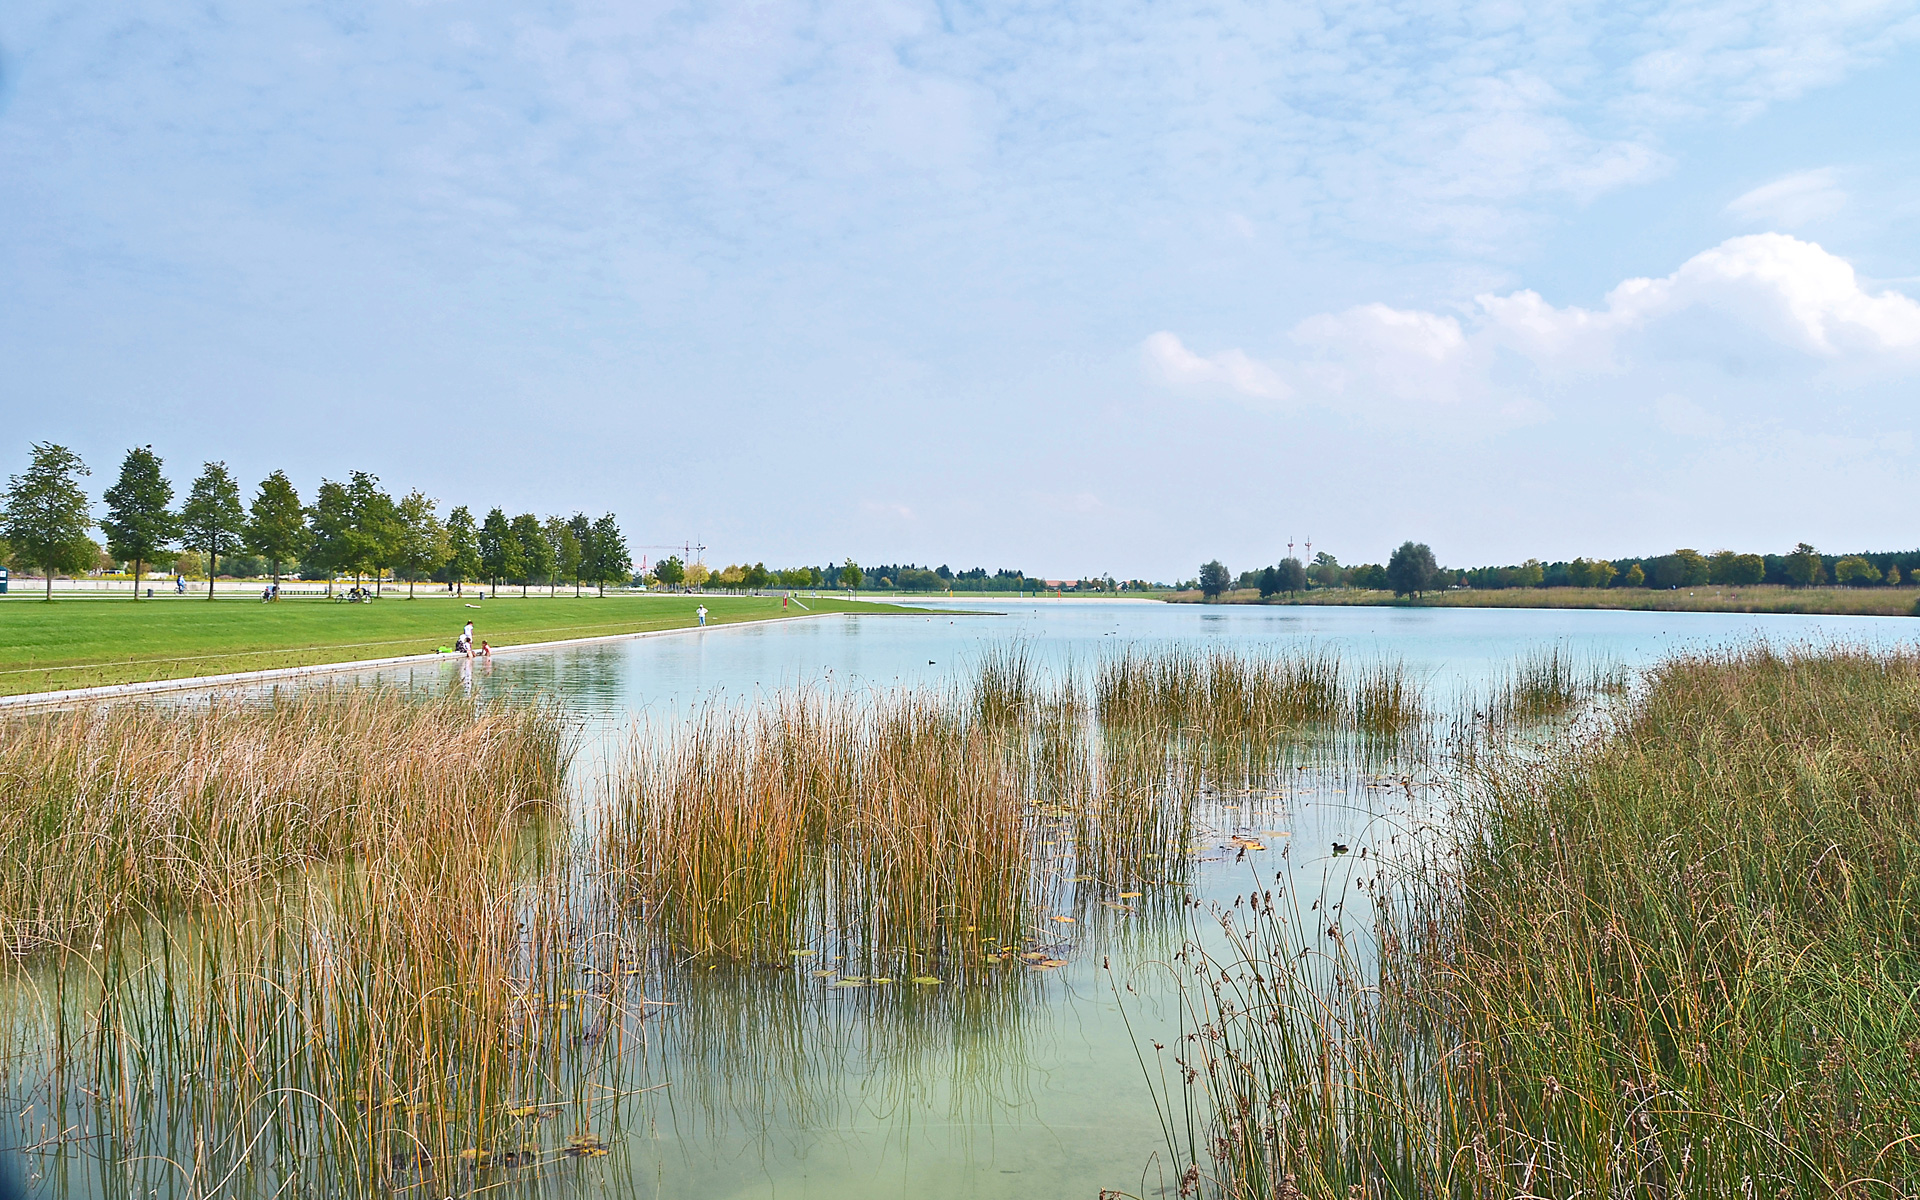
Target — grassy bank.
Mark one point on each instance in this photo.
(84, 642)
(1676, 958)
(1771, 598)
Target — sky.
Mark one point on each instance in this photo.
(1078, 288)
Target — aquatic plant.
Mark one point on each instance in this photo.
(1217, 692)
(1673, 957)
(127, 807)
(874, 822)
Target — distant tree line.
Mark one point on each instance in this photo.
(1803, 566)
(1412, 570)
(352, 527)
(849, 574)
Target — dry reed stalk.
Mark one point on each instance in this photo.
(880, 821)
(142, 806)
(406, 1020)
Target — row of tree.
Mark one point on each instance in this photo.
(351, 528)
(1803, 566)
(1412, 570)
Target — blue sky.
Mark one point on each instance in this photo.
(1077, 288)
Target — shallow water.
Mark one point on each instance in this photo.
(1451, 647)
(778, 1085)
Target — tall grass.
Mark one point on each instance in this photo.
(294, 947)
(1217, 692)
(1548, 684)
(137, 806)
(1678, 958)
(816, 820)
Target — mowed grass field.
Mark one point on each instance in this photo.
(85, 642)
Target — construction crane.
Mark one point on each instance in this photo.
(690, 552)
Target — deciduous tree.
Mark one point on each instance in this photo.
(330, 530)
(212, 520)
(276, 522)
(47, 517)
(1411, 569)
(1804, 566)
(582, 533)
(670, 571)
(611, 561)
(139, 524)
(499, 549)
(536, 553)
(422, 544)
(851, 577)
(463, 548)
(1293, 576)
(1855, 571)
(375, 541)
(1214, 579)
(566, 552)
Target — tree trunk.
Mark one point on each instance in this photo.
(213, 561)
(409, 589)
(137, 564)
(49, 571)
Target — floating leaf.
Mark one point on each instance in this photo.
(879, 979)
(586, 1146)
(925, 979)
(801, 953)
(1128, 895)
(823, 973)
(1065, 920)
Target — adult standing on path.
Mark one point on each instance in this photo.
(703, 614)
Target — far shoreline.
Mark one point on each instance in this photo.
(1758, 599)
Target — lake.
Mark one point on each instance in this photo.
(780, 1085)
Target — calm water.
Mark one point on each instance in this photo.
(775, 1092)
(1450, 647)
(778, 1086)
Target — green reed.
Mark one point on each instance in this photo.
(1675, 957)
(1218, 692)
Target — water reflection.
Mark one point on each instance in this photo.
(758, 1074)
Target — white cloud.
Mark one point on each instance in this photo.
(1774, 285)
(1789, 203)
(1231, 369)
(1749, 297)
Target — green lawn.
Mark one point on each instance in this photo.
(84, 641)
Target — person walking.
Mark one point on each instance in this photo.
(703, 614)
